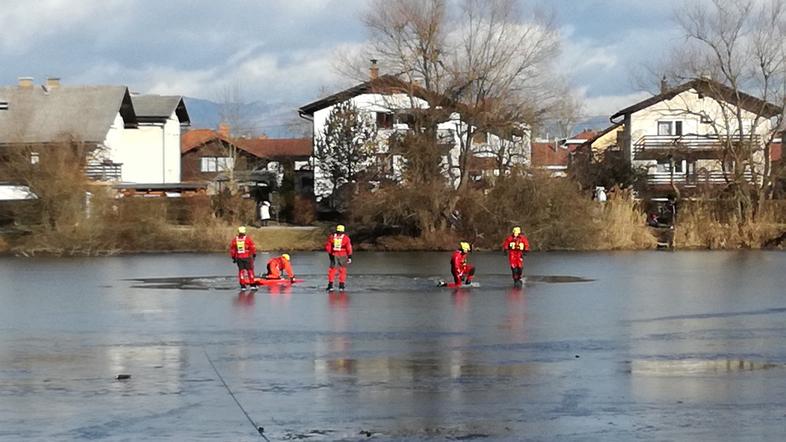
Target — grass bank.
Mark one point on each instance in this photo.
(158, 238)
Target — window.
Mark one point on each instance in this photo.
(667, 128)
(215, 164)
(480, 137)
(384, 120)
(664, 166)
(34, 157)
(208, 164)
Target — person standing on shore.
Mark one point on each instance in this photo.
(517, 245)
(243, 251)
(462, 270)
(264, 213)
(339, 249)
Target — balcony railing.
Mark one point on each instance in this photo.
(686, 143)
(693, 179)
(103, 171)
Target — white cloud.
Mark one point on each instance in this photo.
(610, 104)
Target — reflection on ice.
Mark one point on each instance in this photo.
(685, 367)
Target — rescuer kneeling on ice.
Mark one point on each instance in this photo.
(517, 246)
(462, 270)
(339, 249)
(279, 265)
(243, 251)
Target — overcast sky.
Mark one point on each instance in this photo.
(280, 51)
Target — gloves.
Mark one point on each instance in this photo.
(521, 246)
(255, 256)
(512, 245)
(349, 259)
(234, 260)
(292, 279)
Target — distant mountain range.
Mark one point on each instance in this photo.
(280, 120)
(276, 120)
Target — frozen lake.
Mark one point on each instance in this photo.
(596, 346)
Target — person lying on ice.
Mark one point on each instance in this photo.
(517, 246)
(339, 249)
(276, 266)
(462, 271)
(243, 251)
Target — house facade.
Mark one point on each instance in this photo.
(127, 145)
(391, 105)
(209, 156)
(681, 136)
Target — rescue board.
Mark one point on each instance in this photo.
(453, 285)
(269, 282)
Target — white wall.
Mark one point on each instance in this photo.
(149, 154)
(373, 103)
(687, 107)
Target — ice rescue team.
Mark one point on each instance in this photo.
(339, 249)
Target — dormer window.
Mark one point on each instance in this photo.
(384, 120)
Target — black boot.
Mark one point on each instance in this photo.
(341, 286)
(329, 287)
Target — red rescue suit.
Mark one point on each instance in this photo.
(243, 251)
(278, 265)
(516, 246)
(339, 249)
(460, 268)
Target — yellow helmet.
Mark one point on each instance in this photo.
(340, 228)
(285, 256)
(241, 229)
(465, 247)
(517, 230)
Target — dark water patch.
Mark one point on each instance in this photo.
(557, 279)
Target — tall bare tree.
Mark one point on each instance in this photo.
(481, 59)
(741, 46)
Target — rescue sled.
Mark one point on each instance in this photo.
(269, 282)
(453, 285)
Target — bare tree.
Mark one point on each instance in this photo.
(732, 47)
(479, 64)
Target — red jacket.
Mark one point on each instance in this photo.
(517, 244)
(277, 265)
(338, 244)
(458, 263)
(242, 247)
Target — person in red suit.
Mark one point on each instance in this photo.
(462, 271)
(277, 266)
(243, 251)
(339, 249)
(517, 246)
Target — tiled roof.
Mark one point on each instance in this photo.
(272, 148)
(84, 113)
(269, 148)
(197, 137)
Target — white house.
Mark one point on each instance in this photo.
(132, 146)
(152, 151)
(390, 103)
(679, 135)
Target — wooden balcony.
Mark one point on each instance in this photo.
(650, 147)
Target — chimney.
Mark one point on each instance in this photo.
(25, 82)
(223, 130)
(52, 83)
(664, 85)
(373, 71)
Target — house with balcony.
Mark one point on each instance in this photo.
(130, 140)
(394, 106)
(684, 136)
